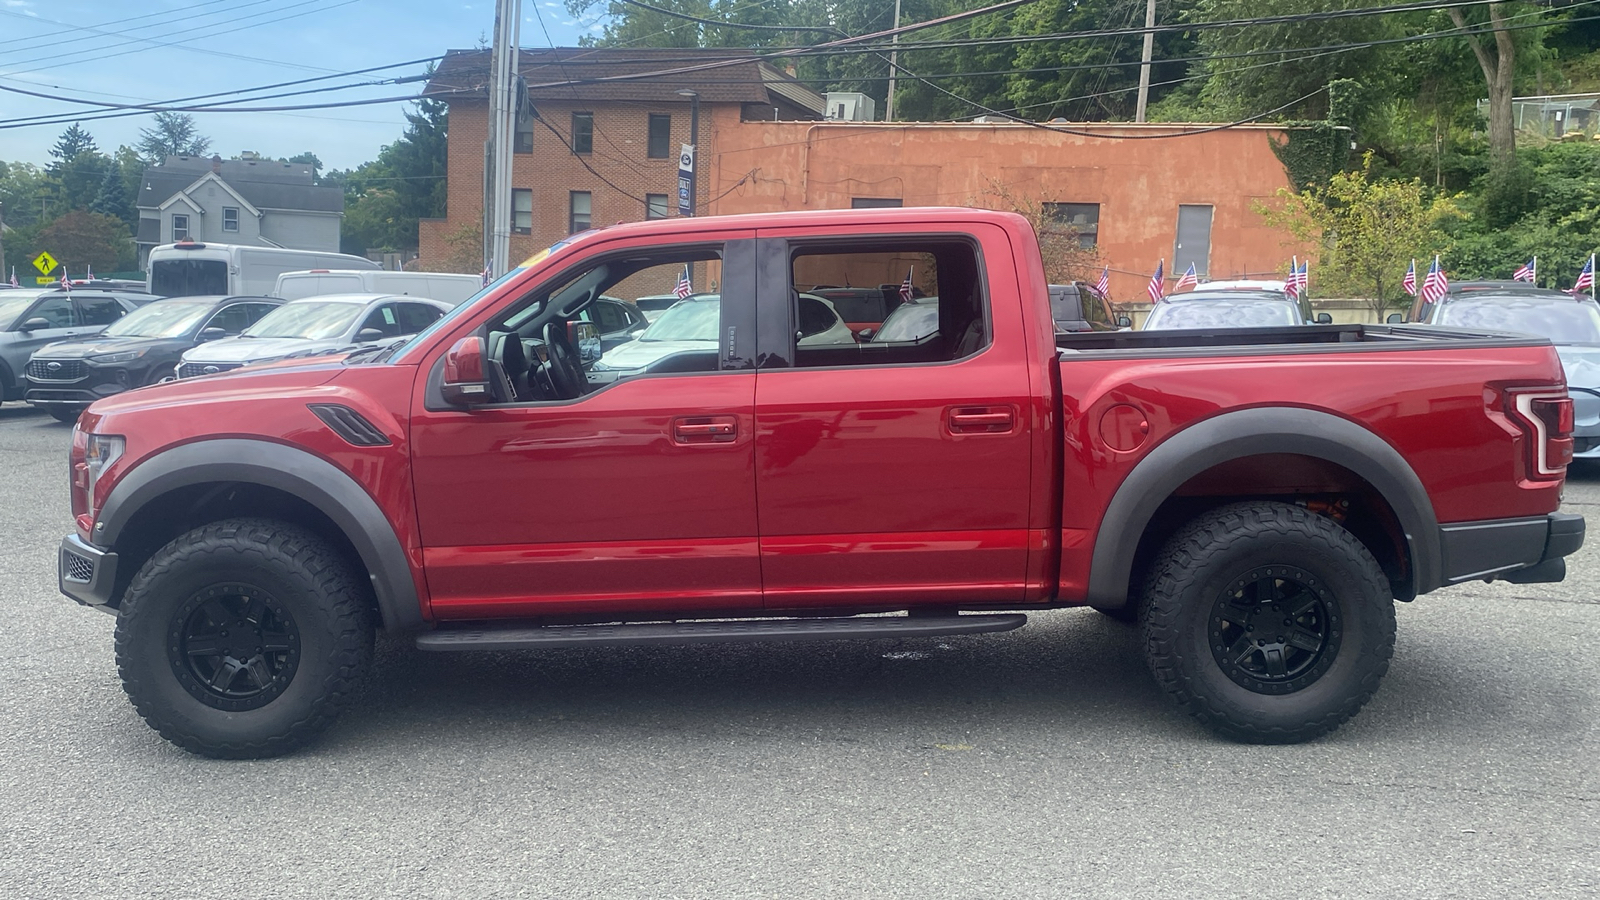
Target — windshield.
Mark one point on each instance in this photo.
(12, 307)
(1562, 322)
(1222, 314)
(911, 322)
(159, 320)
(691, 320)
(188, 277)
(306, 319)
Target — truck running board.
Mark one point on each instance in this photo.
(550, 636)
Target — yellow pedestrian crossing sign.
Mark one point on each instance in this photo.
(45, 263)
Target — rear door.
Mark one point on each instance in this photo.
(891, 472)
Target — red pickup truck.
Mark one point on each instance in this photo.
(1257, 499)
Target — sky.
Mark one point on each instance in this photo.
(113, 51)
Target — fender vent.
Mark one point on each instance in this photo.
(348, 424)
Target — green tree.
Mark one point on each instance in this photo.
(385, 198)
(25, 191)
(311, 159)
(1369, 231)
(174, 134)
(75, 169)
(78, 239)
(112, 197)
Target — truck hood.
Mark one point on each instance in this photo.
(243, 350)
(273, 381)
(1581, 362)
(638, 354)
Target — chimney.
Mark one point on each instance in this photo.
(788, 69)
(216, 163)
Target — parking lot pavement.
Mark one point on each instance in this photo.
(1038, 763)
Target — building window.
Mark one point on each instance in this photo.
(578, 212)
(655, 206)
(660, 136)
(1082, 218)
(521, 211)
(583, 133)
(180, 228)
(876, 203)
(522, 141)
(230, 218)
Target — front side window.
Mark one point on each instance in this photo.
(384, 319)
(99, 310)
(180, 227)
(578, 210)
(231, 319)
(655, 206)
(582, 132)
(521, 211)
(660, 136)
(57, 311)
(1082, 218)
(230, 218)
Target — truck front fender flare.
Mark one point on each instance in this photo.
(295, 472)
(1252, 432)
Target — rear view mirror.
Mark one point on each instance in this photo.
(1324, 319)
(1395, 319)
(464, 382)
(36, 323)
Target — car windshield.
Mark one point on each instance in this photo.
(12, 307)
(909, 322)
(1563, 322)
(306, 319)
(159, 320)
(689, 320)
(1233, 313)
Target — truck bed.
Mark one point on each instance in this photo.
(1292, 338)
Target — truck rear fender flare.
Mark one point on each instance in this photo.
(290, 470)
(1253, 432)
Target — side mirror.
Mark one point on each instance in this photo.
(36, 323)
(1324, 319)
(1124, 322)
(866, 334)
(585, 338)
(1395, 319)
(464, 382)
(369, 334)
(212, 333)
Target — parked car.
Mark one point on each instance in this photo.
(1572, 324)
(1258, 501)
(617, 321)
(1079, 307)
(140, 348)
(1232, 309)
(314, 326)
(912, 321)
(690, 326)
(30, 319)
(446, 288)
(1423, 312)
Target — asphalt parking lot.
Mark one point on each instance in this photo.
(1038, 763)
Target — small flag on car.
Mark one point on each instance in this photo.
(683, 288)
(1436, 285)
(1189, 279)
(1301, 276)
(1291, 285)
(66, 284)
(88, 273)
(14, 277)
(1527, 272)
(906, 289)
(1585, 280)
(1103, 286)
(1157, 288)
(488, 272)
(1409, 283)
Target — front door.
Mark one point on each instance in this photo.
(892, 472)
(637, 495)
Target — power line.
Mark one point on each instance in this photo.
(827, 29)
(183, 13)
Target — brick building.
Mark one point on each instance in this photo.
(763, 148)
(602, 151)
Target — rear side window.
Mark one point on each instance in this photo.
(1094, 311)
(385, 319)
(99, 310)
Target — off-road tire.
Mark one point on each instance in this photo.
(303, 580)
(67, 416)
(1212, 568)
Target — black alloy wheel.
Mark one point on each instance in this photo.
(233, 647)
(1275, 629)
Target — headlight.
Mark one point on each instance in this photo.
(100, 452)
(126, 356)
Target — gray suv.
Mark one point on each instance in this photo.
(29, 319)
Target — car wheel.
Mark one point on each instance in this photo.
(162, 374)
(1268, 623)
(65, 414)
(244, 638)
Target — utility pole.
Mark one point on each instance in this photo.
(1144, 64)
(502, 118)
(2, 242)
(894, 66)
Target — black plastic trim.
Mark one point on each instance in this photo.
(349, 425)
(97, 590)
(293, 471)
(550, 636)
(1253, 432)
(1566, 535)
(1518, 550)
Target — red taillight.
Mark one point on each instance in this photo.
(1548, 418)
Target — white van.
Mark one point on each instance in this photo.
(190, 268)
(451, 289)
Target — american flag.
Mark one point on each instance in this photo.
(1103, 286)
(1528, 271)
(1189, 279)
(1436, 285)
(1585, 278)
(1157, 288)
(66, 285)
(1301, 276)
(1291, 285)
(1409, 283)
(88, 273)
(488, 275)
(14, 277)
(906, 290)
(683, 287)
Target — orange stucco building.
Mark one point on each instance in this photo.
(1130, 190)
